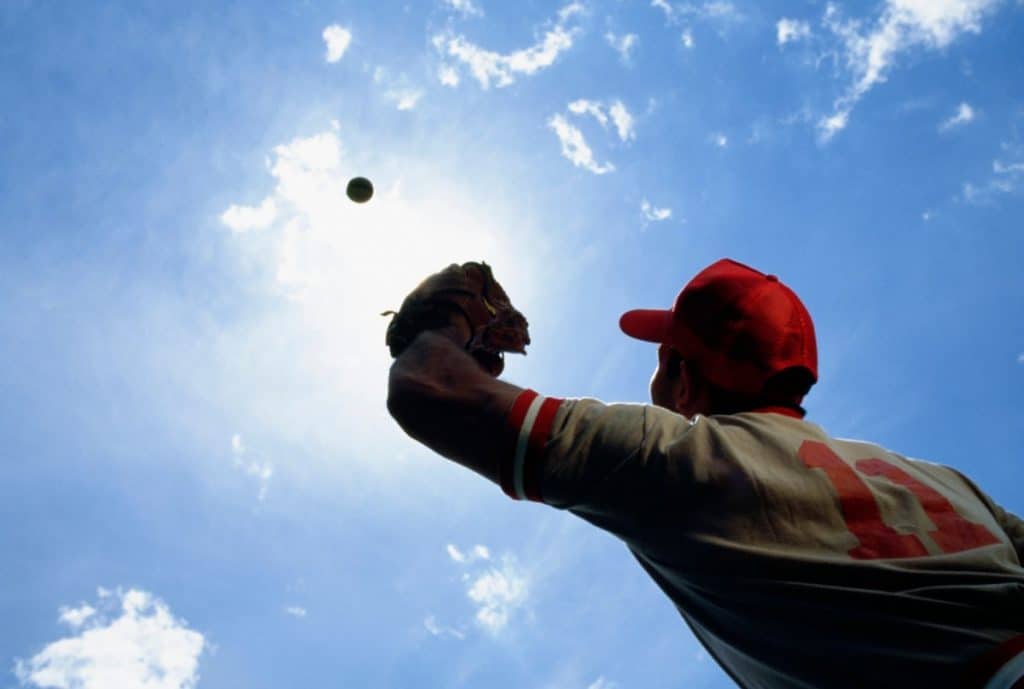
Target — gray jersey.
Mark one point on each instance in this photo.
(798, 560)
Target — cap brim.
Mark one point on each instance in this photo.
(651, 325)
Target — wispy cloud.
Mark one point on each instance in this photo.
(132, 641)
(791, 30)
(575, 148)
(582, 106)
(76, 617)
(478, 552)
(498, 593)
(337, 39)
(964, 114)
(295, 611)
(246, 218)
(602, 683)
(448, 75)
(466, 8)
(574, 145)
(623, 45)
(435, 628)
(496, 588)
(1020, 358)
(902, 25)
(1007, 177)
(687, 39)
(652, 213)
(263, 470)
(719, 139)
(397, 89)
(624, 123)
(716, 10)
(833, 124)
(489, 67)
(664, 7)
(617, 113)
(404, 98)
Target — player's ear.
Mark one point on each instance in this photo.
(690, 391)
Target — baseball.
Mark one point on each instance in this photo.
(359, 189)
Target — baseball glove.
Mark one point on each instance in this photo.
(469, 291)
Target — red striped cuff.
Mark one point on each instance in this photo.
(527, 430)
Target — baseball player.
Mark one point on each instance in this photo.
(798, 560)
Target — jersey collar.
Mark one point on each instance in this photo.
(785, 411)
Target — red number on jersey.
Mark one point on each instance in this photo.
(863, 517)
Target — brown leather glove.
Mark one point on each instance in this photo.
(468, 291)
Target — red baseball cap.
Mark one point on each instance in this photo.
(738, 325)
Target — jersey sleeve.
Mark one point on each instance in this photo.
(608, 463)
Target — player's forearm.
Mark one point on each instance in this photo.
(441, 397)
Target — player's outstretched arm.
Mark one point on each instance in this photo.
(442, 397)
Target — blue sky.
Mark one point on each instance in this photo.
(197, 457)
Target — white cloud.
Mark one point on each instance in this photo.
(431, 624)
(263, 471)
(295, 611)
(448, 75)
(831, 125)
(337, 39)
(496, 589)
(575, 148)
(583, 106)
(902, 25)
(619, 114)
(76, 617)
(664, 7)
(245, 218)
(479, 552)
(622, 44)
(687, 39)
(466, 7)
(488, 66)
(1020, 358)
(715, 10)
(652, 213)
(571, 10)
(789, 30)
(926, 216)
(624, 124)
(134, 643)
(1001, 168)
(964, 114)
(602, 683)
(1007, 178)
(719, 139)
(405, 98)
(397, 89)
(498, 593)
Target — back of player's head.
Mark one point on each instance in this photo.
(745, 333)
